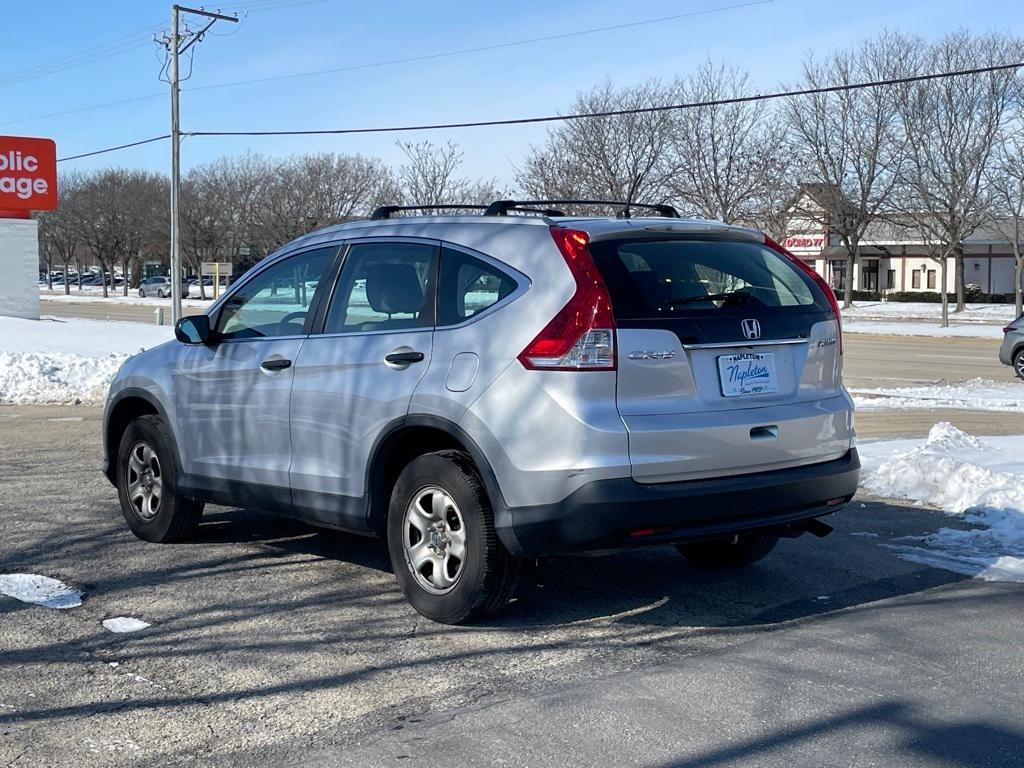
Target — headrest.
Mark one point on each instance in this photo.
(393, 288)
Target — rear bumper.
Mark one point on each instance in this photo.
(603, 514)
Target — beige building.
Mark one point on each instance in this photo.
(895, 258)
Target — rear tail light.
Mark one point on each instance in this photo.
(1008, 328)
(581, 337)
(809, 270)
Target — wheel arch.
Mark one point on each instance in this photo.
(403, 440)
(128, 405)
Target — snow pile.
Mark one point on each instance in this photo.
(40, 590)
(976, 395)
(28, 377)
(64, 361)
(980, 482)
(124, 624)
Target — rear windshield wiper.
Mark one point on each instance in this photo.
(740, 293)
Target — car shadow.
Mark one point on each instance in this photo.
(656, 586)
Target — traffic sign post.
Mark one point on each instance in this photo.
(215, 269)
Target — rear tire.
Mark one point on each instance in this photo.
(745, 550)
(444, 550)
(1018, 364)
(147, 484)
(142, 294)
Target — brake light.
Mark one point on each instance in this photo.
(581, 337)
(818, 279)
(1008, 328)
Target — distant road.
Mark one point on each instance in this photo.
(102, 310)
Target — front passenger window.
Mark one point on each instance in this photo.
(276, 302)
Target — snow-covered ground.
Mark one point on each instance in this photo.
(996, 314)
(979, 482)
(921, 328)
(973, 395)
(67, 360)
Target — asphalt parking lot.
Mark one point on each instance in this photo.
(275, 643)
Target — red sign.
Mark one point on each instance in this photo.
(804, 242)
(28, 175)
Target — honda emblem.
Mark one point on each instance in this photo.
(751, 328)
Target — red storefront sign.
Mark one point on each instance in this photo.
(28, 176)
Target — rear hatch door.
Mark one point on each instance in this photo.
(728, 357)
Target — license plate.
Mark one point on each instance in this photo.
(752, 373)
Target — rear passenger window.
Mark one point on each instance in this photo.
(468, 286)
(383, 287)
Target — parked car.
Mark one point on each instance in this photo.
(1011, 351)
(193, 288)
(159, 286)
(479, 389)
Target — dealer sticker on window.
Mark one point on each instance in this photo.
(752, 373)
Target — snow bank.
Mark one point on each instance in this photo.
(979, 482)
(64, 361)
(975, 395)
(911, 328)
(40, 590)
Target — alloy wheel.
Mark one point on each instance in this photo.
(434, 540)
(144, 480)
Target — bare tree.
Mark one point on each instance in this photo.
(59, 225)
(1006, 213)
(848, 142)
(304, 193)
(621, 157)
(952, 126)
(724, 156)
(430, 177)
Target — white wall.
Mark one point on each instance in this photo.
(19, 268)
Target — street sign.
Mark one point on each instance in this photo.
(216, 268)
(28, 176)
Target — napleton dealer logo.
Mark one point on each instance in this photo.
(28, 174)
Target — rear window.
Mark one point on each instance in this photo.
(678, 278)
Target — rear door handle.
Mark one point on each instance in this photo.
(275, 364)
(404, 358)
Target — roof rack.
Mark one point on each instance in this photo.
(385, 211)
(503, 207)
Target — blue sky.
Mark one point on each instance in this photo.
(281, 37)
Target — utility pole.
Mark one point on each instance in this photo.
(176, 49)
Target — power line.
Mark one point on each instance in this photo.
(105, 50)
(114, 149)
(482, 48)
(589, 115)
(406, 60)
(631, 111)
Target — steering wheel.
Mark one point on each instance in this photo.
(284, 322)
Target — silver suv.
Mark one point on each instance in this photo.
(477, 389)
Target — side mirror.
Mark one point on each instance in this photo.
(194, 329)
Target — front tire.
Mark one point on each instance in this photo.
(1018, 364)
(736, 552)
(147, 484)
(443, 546)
